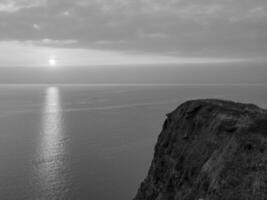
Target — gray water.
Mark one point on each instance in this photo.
(89, 141)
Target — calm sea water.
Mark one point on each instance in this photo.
(89, 141)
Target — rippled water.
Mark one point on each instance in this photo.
(51, 158)
(87, 141)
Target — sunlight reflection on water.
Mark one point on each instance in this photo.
(51, 167)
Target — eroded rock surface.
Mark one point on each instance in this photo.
(209, 150)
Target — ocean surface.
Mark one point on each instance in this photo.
(80, 142)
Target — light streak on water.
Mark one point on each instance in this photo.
(51, 165)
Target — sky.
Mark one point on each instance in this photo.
(131, 32)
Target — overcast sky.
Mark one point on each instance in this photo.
(89, 32)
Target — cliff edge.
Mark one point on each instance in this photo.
(209, 150)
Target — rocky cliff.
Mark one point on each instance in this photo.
(209, 150)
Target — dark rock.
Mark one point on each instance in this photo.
(209, 150)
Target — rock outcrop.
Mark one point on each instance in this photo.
(209, 150)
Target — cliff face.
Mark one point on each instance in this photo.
(209, 150)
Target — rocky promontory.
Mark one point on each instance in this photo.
(209, 150)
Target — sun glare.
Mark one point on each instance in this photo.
(52, 62)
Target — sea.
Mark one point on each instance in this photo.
(90, 142)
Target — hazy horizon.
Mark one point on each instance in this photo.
(224, 73)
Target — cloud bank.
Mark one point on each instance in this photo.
(186, 28)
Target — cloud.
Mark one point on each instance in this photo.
(16, 5)
(36, 26)
(50, 42)
(233, 28)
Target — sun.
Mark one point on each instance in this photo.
(52, 62)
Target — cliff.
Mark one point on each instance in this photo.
(209, 150)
